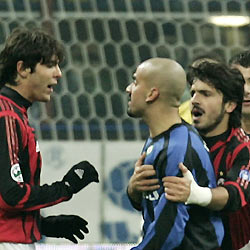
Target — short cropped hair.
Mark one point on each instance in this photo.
(31, 47)
(224, 79)
(242, 59)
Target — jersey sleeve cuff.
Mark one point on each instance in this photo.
(234, 201)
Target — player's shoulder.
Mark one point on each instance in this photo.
(6, 104)
(238, 136)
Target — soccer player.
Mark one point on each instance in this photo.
(217, 94)
(241, 61)
(154, 96)
(29, 70)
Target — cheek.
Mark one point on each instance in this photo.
(213, 108)
(247, 87)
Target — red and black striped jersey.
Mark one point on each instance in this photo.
(21, 196)
(230, 153)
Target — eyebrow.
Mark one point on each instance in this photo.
(53, 61)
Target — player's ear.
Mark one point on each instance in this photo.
(230, 106)
(152, 95)
(21, 70)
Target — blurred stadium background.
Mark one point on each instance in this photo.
(104, 41)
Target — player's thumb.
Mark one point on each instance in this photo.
(141, 159)
(185, 172)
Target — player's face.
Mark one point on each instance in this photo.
(137, 94)
(246, 103)
(40, 83)
(208, 110)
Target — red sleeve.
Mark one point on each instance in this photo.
(20, 169)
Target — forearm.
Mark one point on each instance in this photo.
(220, 198)
(28, 198)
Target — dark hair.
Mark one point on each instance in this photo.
(228, 81)
(210, 56)
(242, 59)
(31, 47)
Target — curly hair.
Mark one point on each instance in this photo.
(242, 59)
(224, 79)
(31, 47)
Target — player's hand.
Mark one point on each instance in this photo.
(80, 175)
(186, 189)
(177, 189)
(64, 226)
(143, 178)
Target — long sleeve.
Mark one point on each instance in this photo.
(237, 180)
(20, 163)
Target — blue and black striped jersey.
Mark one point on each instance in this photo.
(169, 225)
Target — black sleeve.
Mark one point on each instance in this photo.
(237, 180)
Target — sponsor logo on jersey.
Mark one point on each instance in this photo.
(16, 173)
(152, 196)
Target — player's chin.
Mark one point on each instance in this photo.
(45, 98)
(132, 114)
(197, 125)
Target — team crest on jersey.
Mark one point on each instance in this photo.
(244, 177)
(150, 149)
(16, 173)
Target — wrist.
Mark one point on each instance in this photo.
(68, 188)
(201, 196)
(135, 198)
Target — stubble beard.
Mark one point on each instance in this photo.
(205, 130)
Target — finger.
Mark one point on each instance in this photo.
(148, 182)
(71, 238)
(142, 174)
(79, 234)
(81, 224)
(140, 161)
(148, 188)
(172, 198)
(84, 229)
(168, 180)
(183, 168)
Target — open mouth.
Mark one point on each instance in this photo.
(197, 112)
(129, 98)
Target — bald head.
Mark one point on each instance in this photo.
(167, 75)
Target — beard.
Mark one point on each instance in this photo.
(211, 127)
(245, 115)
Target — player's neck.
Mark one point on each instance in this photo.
(162, 122)
(245, 123)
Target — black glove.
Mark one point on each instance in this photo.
(80, 175)
(64, 226)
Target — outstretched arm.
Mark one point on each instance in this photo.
(185, 189)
